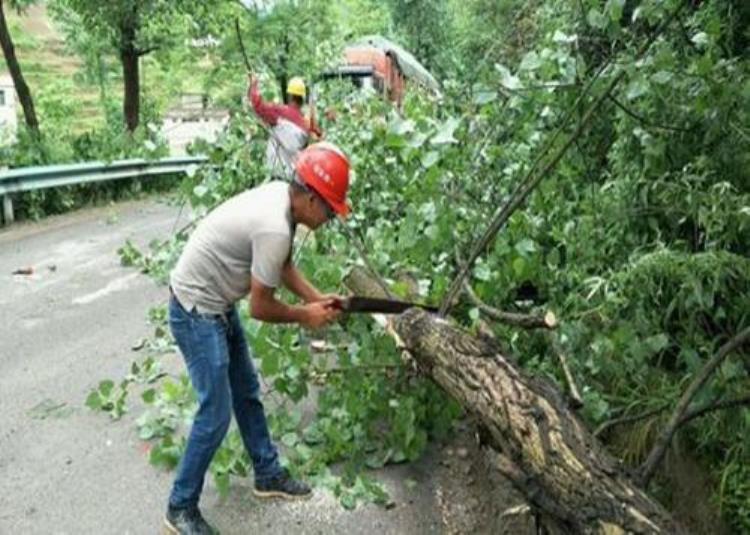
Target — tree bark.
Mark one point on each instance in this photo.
(544, 448)
(129, 56)
(541, 445)
(22, 89)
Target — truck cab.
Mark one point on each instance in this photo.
(384, 66)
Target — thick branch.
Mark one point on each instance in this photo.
(363, 254)
(687, 417)
(548, 453)
(648, 468)
(147, 50)
(713, 407)
(526, 321)
(576, 401)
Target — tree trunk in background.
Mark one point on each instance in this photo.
(22, 90)
(129, 55)
(539, 443)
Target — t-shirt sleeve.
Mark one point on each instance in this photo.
(270, 252)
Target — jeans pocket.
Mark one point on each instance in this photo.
(177, 317)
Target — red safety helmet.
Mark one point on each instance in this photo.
(324, 168)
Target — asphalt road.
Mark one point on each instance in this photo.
(72, 322)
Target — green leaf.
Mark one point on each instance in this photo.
(430, 159)
(105, 387)
(445, 132)
(525, 247)
(662, 77)
(304, 451)
(417, 140)
(614, 9)
(657, 342)
(484, 97)
(395, 140)
(553, 258)
(636, 88)
(348, 501)
(165, 454)
(507, 79)
(149, 395)
(269, 363)
(222, 483)
(531, 61)
(200, 190)
(560, 37)
(483, 272)
(290, 439)
(94, 400)
(701, 39)
(596, 19)
(402, 127)
(293, 372)
(171, 391)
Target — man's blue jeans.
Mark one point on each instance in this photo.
(223, 376)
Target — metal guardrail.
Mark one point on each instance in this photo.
(50, 176)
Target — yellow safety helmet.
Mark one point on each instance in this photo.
(296, 87)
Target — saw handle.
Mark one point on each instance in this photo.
(340, 304)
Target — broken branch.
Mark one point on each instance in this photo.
(526, 321)
(713, 407)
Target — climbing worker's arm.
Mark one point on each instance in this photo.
(267, 112)
(313, 128)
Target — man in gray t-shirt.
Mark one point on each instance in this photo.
(243, 248)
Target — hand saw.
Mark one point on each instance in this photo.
(383, 306)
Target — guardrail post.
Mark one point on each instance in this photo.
(7, 204)
(7, 209)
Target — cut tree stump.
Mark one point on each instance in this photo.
(541, 445)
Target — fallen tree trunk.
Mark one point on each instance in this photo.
(542, 447)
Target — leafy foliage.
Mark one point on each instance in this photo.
(109, 399)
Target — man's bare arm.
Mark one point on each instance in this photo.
(294, 280)
(265, 307)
